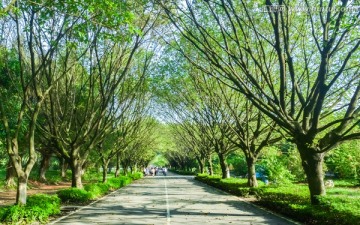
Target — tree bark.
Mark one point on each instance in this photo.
(117, 170)
(125, 166)
(105, 169)
(64, 166)
(44, 166)
(312, 162)
(76, 171)
(224, 166)
(10, 175)
(252, 181)
(201, 164)
(210, 167)
(21, 194)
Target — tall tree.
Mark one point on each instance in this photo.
(298, 67)
(253, 130)
(80, 111)
(127, 125)
(38, 31)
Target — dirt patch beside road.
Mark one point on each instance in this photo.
(8, 197)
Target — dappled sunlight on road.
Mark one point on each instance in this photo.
(171, 200)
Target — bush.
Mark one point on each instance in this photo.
(340, 206)
(97, 189)
(74, 195)
(124, 181)
(113, 183)
(38, 208)
(136, 176)
(183, 172)
(232, 185)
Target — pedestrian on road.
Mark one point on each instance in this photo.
(164, 171)
(144, 171)
(153, 171)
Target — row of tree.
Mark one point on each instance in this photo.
(73, 84)
(244, 75)
(257, 68)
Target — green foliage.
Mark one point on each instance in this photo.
(38, 208)
(2, 174)
(136, 176)
(113, 183)
(91, 176)
(96, 190)
(339, 206)
(159, 161)
(183, 172)
(345, 160)
(74, 195)
(52, 176)
(232, 185)
(275, 163)
(124, 181)
(346, 183)
(238, 165)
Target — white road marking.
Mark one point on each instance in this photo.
(167, 204)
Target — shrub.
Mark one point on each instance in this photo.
(97, 189)
(113, 183)
(74, 195)
(183, 172)
(232, 185)
(38, 208)
(136, 176)
(124, 181)
(340, 206)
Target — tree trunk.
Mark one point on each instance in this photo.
(210, 167)
(83, 169)
(21, 194)
(76, 171)
(105, 168)
(201, 164)
(252, 181)
(117, 170)
(10, 175)
(312, 164)
(224, 166)
(64, 166)
(125, 166)
(44, 165)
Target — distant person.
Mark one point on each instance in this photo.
(153, 171)
(164, 171)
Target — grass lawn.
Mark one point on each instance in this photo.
(340, 206)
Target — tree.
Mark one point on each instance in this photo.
(139, 151)
(37, 41)
(9, 65)
(128, 125)
(80, 112)
(253, 130)
(297, 67)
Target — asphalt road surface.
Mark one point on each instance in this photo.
(172, 199)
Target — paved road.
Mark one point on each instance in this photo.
(170, 200)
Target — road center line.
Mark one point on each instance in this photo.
(167, 204)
